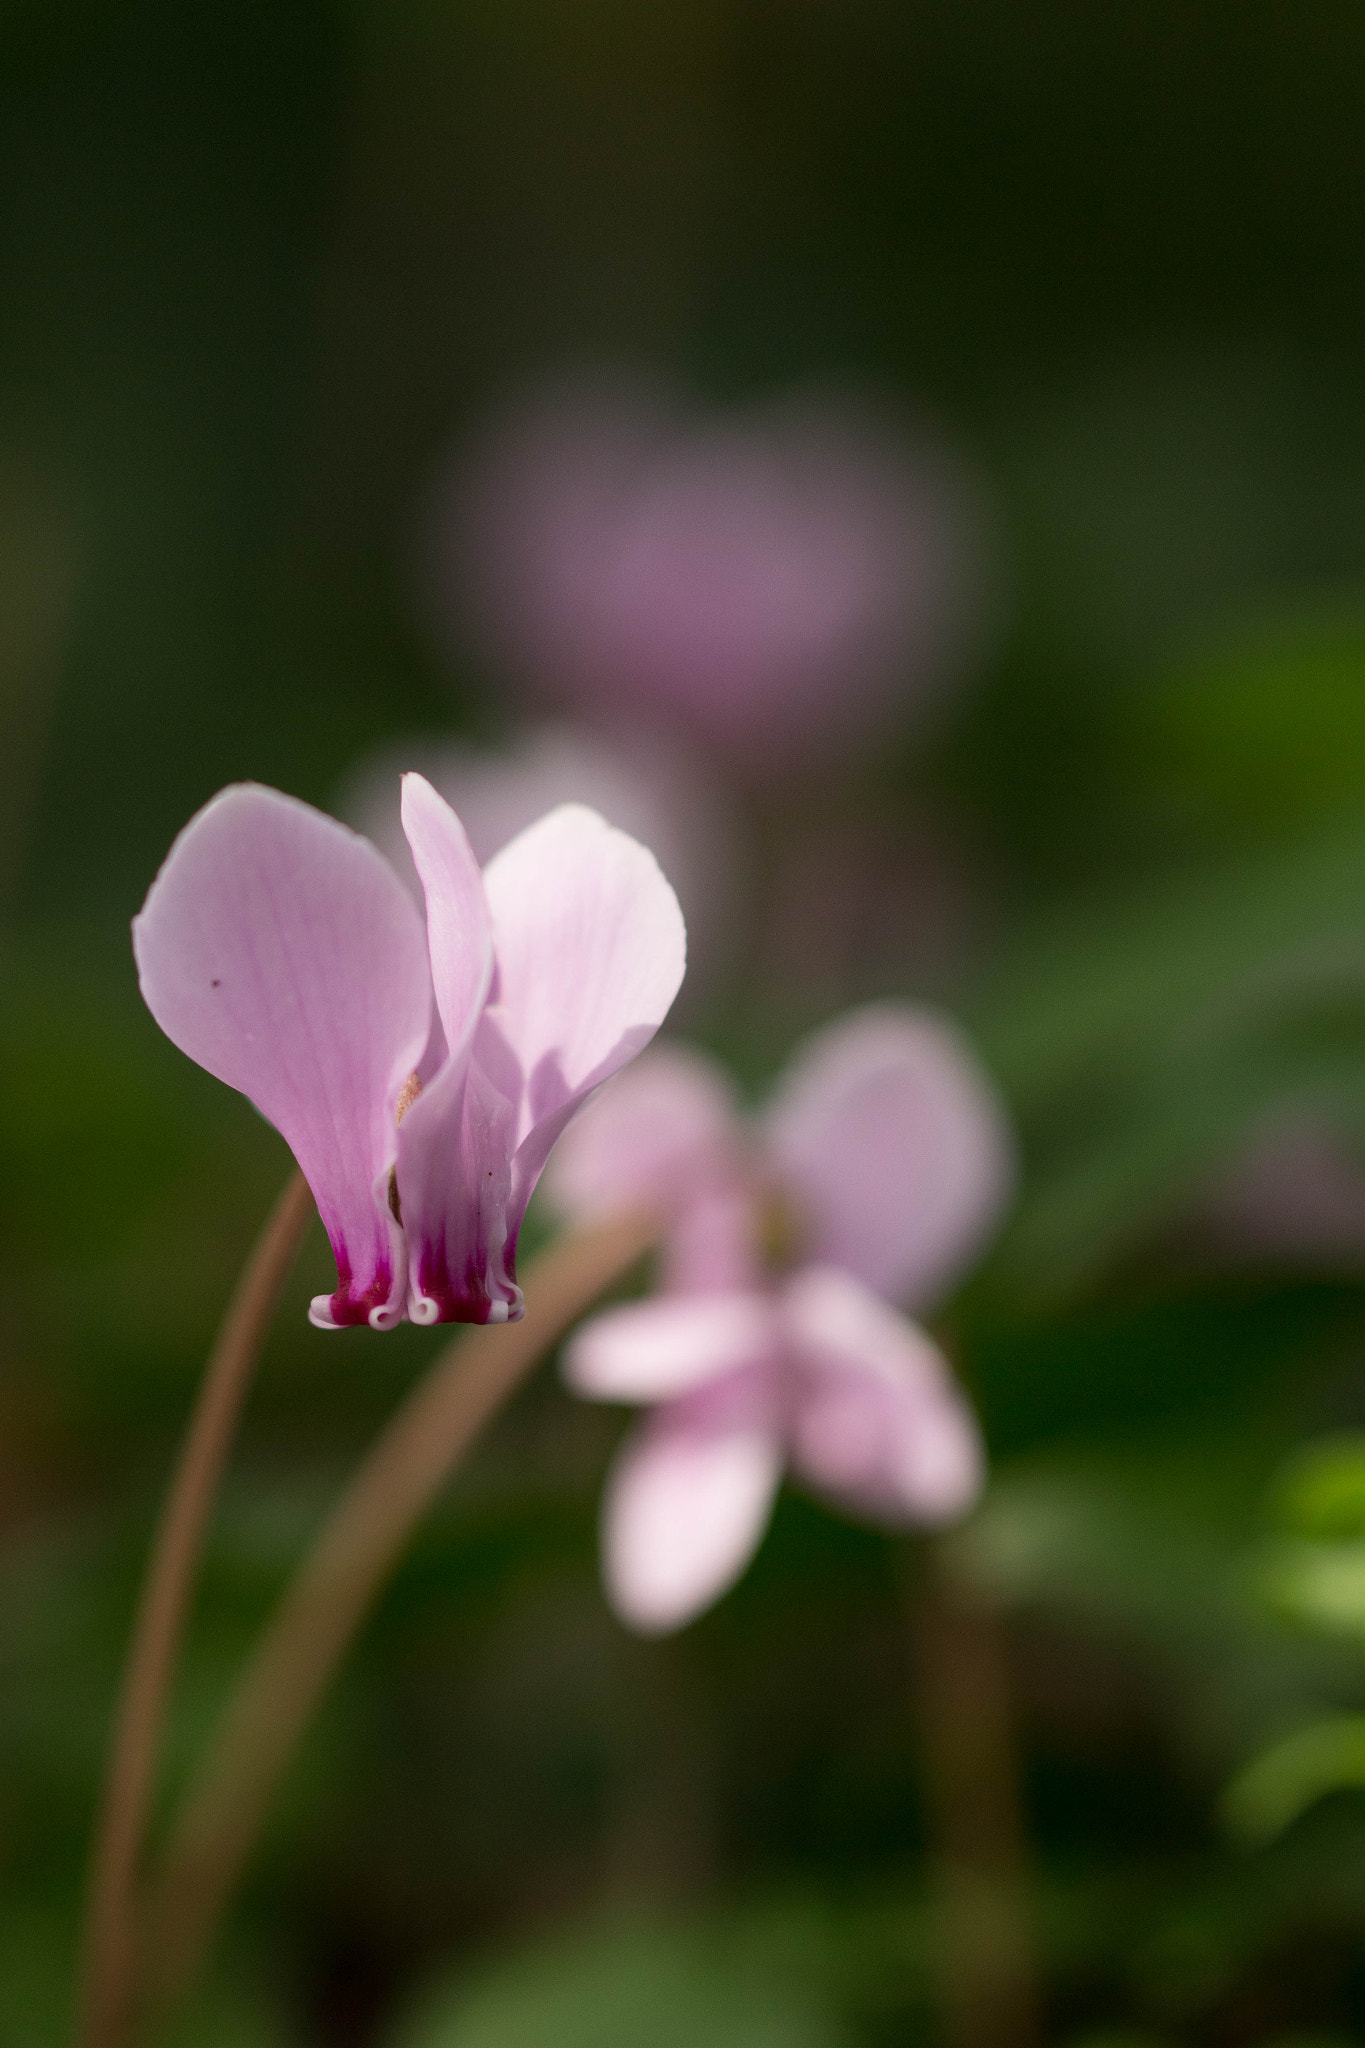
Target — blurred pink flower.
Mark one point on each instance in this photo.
(885, 1158)
(648, 785)
(280, 951)
(779, 582)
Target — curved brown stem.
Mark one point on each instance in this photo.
(107, 1991)
(321, 1610)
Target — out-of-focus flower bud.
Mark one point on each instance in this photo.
(781, 583)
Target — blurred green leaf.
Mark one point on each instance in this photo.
(1110, 987)
(625, 1987)
(1322, 1584)
(1282, 1783)
(1321, 1494)
(1142, 1044)
(1264, 728)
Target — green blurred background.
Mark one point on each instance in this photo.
(261, 263)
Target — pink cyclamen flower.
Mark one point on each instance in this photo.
(885, 1159)
(780, 581)
(420, 1077)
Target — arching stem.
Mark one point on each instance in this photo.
(108, 1963)
(321, 1610)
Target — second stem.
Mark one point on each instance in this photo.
(320, 1612)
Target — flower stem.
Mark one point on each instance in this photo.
(108, 1979)
(304, 1641)
(981, 1937)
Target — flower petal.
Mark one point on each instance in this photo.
(280, 951)
(454, 1181)
(891, 1136)
(645, 782)
(459, 926)
(653, 1350)
(590, 950)
(662, 1131)
(686, 1503)
(878, 1420)
(457, 1137)
(667, 1134)
(714, 1245)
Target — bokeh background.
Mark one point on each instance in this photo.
(273, 276)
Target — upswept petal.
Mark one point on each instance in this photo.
(687, 1502)
(590, 952)
(877, 1419)
(661, 1131)
(279, 950)
(454, 1182)
(457, 1137)
(459, 926)
(892, 1138)
(653, 1350)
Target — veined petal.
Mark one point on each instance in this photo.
(660, 1132)
(590, 953)
(890, 1134)
(877, 1419)
(457, 1137)
(653, 1350)
(459, 927)
(454, 1181)
(687, 1502)
(279, 950)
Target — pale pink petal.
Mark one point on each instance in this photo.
(714, 1245)
(687, 1502)
(457, 1138)
(662, 1131)
(891, 1137)
(646, 782)
(653, 1350)
(590, 953)
(454, 1180)
(877, 1419)
(459, 927)
(666, 1134)
(280, 951)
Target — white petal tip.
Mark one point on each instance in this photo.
(385, 1318)
(423, 1311)
(952, 1502)
(320, 1313)
(643, 1618)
